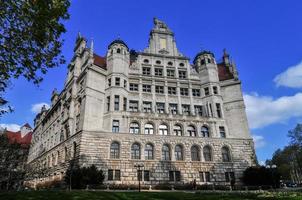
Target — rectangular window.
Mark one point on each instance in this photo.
(146, 71)
(117, 81)
(116, 102)
(206, 91)
(146, 175)
(201, 176)
(171, 176)
(133, 87)
(125, 104)
(109, 82)
(172, 90)
(186, 109)
(160, 107)
(184, 91)
(215, 90)
(198, 110)
(218, 110)
(110, 175)
(177, 176)
(182, 74)
(158, 72)
(207, 176)
(125, 84)
(196, 92)
(159, 89)
(115, 126)
(108, 103)
(133, 106)
(170, 73)
(222, 132)
(147, 106)
(117, 175)
(146, 88)
(173, 108)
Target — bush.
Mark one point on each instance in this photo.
(261, 176)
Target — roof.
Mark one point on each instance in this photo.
(202, 53)
(100, 61)
(27, 125)
(15, 137)
(224, 72)
(118, 41)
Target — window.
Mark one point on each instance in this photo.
(149, 152)
(125, 84)
(218, 110)
(196, 92)
(133, 106)
(117, 81)
(135, 151)
(198, 110)
(114, 175)
(222, 132)
(195, 153)
(215, 90)
(202, 61)
(158, 62)
(160, 107)
(178, 152)
(225, 152)
(159, 89)
(108, 103)
(166, 152)
(170, 63)
(182, 74)
(158, 72)
(146, 175)
(146, 61)
(115, 150)
(177, 130)
(186, 109)
(173, 108)
(206, 91)
(163, 129)
(174, 176)
(181, 64)
(116, 102)
(117, 175)
(110, 175)
(184, 91)
(134, 128)
(229, 176)
(191, 131)
(146, 88)
(170, 73)
(147, 106)
(172, 90)
(205, 132)
(125, 104)
(118, 50)
(115, 126)
(74, 149)
(207, 153)
(149, 129)
(109, 82)
(133, 87)
(205, 176)
(146, 71)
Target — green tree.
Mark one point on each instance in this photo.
(296, 135)
(30, 40)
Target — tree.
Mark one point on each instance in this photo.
(296, 135)
(261, 176)
(30, 40)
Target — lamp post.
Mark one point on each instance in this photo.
(272, 168)
(139, 167)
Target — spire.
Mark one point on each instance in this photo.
(226, 57)
(91, 47)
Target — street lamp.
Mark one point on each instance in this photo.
(272, 169)
(139, 166)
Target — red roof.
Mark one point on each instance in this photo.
(100, 61)
(15, 137)
(224, 72)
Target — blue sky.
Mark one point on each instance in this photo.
(263, 37)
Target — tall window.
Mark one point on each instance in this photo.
(198, 110)
(215, 90)
(166, 152)
(177, 130)
(133, 106)
(160, 107)
(115, 150)
(195, 153)
(116, 102)
(134, 128)
(147, 106)
(135, 151)
(173, 108)
(149, 129)
(225, 152)
(163, 129)
(222, 132)
(117, 81)
(125, 104)
(178, 152)
(206, 91)
(125, 84)
(218, 110)
(109, 82)
(207, 153)
(186, 109)
(149, 152)
(205, 131)
(115, 126)
(108, 103)
(205, 176)
(191, 131)
(174, 176)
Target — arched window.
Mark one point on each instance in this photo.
(149, 129)
(134, 128)
(178, 152)
(118, 50)
(135, 151)
(225, 152)
(207, 153)
(115, 150)
(177, 130)
(166, 152)
(163, 129)
(191, 131)
(205, 131)
(195, 153)
(149, 152)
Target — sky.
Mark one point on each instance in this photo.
(263, 37)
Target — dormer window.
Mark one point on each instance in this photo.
(158, 62)
(146, 61)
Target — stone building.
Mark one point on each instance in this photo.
(180, 120)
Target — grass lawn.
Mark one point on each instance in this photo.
(92, 195)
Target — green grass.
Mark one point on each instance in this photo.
(100, 195)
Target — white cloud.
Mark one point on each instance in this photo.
(264, 110)
(259, 141)
(36, 108)
(292, 77)
(11, 127)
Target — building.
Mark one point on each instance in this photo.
(181, 120)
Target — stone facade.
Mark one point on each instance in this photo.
(181, 121)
